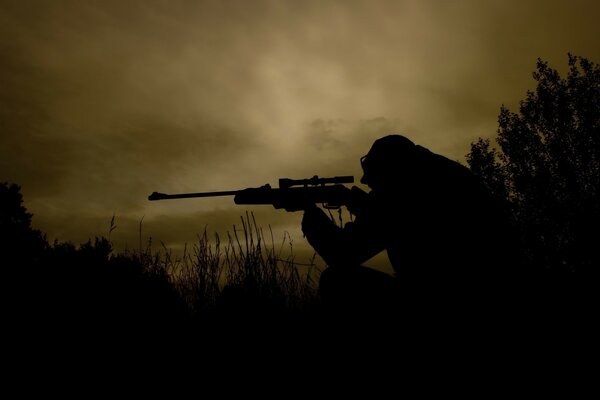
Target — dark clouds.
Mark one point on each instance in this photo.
(103, 102)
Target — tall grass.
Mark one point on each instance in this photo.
(247, 271)
(65, 296)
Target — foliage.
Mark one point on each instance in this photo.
(547, 166)
(18, 239)
(143, 294)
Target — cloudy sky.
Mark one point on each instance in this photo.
(103, 102)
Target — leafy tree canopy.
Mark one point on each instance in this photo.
(546, 167)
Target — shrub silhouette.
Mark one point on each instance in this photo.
(19, 242)
(68, 293)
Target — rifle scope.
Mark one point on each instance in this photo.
(285, 183)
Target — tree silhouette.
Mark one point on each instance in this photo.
(18, 240)
(547, 166)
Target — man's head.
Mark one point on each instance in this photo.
(387, 160)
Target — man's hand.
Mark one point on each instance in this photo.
(358, 201)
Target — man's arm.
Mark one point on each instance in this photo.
(354, 244)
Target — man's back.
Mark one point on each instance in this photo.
(441, 220)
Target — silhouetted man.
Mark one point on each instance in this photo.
(444, 235)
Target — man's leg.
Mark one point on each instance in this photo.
(358, 290)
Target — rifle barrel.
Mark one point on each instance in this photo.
(163, 196)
